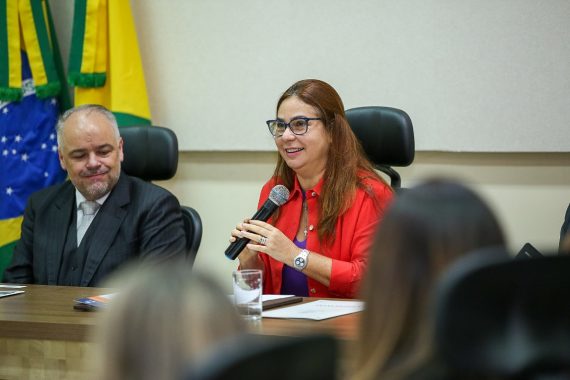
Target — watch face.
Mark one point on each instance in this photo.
(299, 262)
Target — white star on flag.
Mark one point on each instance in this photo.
(25, 157)
(4, 139)
(44, 145)
(18, 138)
(9, 191)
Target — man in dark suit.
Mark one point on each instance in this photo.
(77, 232)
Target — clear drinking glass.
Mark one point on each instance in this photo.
(247, 284)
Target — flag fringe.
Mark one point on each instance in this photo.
(48, 90)
(87, 80)
(10, 94)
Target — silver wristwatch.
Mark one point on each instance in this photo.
(300, 261)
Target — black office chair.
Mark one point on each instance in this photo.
(502, 318)
(275, 358)
(151, 153)
(193, 226)
(387, 136)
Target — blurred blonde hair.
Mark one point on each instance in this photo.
(163, 319)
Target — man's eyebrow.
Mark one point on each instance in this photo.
(82, 150)
(104, 146)
(75, 151)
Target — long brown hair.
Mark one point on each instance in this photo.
(423, 231)
(346, 161)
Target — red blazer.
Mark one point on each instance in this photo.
(354, 232)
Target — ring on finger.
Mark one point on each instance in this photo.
(263, 240)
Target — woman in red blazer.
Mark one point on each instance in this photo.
(316, 244)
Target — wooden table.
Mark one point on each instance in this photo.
(42, 336)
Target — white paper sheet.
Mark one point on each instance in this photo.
(317, 310)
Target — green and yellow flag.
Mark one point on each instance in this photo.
(30, 72)
(25, 25)
(105, 64)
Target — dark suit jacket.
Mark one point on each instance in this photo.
(138, 219)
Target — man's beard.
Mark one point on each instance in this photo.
(99, 189)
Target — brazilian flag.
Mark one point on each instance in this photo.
(28, 158)
(31, 97)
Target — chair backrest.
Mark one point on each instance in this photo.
(275, 358)
(387, 136)
(151, 153)
(504, 318)
(193, 226)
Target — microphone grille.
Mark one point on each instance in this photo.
(279, 195)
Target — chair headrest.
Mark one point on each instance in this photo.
(499, 316)
(151, 153)
(386, 134)
(250, 356)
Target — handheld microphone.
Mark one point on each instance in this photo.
(277, 197)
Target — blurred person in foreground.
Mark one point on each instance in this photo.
(163, 320)
(564, 245)
(77, 232)
(424, 231)
(316, 244)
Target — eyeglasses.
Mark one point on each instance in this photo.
(298, 126)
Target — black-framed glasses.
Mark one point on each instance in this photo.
(298, 126)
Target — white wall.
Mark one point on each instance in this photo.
(529, 192)
(521, 72)
(474, 75)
